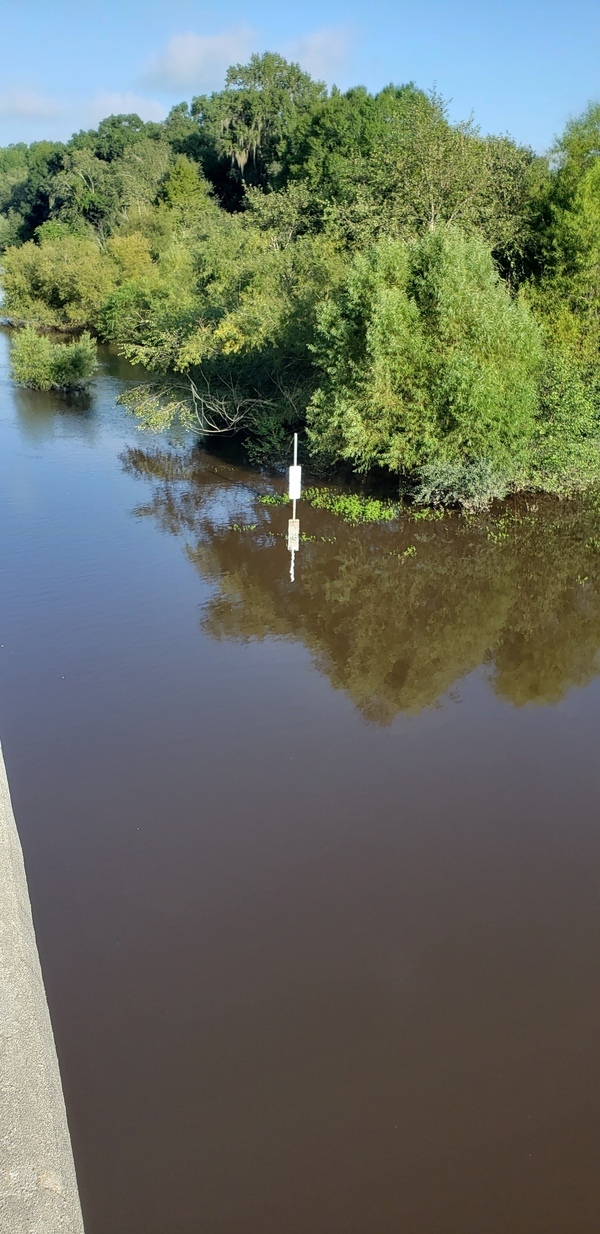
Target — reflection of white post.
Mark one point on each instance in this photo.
(295, 488)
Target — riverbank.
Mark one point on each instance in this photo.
(38, 1188)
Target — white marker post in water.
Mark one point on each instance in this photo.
(294, 491)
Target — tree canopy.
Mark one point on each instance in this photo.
(413, 295)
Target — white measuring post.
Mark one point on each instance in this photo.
(294, 490)
(295, 485)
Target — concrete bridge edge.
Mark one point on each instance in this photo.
(38, 1187)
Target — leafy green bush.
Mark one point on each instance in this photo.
(64, 280)
(564, 454)
(39, 363)
(470, 485)
(425, 357)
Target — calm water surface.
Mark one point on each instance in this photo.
(315, 866)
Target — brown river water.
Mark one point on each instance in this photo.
(315, 865)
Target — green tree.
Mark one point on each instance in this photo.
(30, 199)
(564, 291)
(115, 135)
(139, 174)
(234, 350)
(63, 280)
(186, 191)
(183, 133)
(13, 174)
(85, 190)
(575, 151)
(250, 123)
(568, 294)
(425, 357)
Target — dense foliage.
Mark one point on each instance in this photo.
(39, 363)
(419, 299)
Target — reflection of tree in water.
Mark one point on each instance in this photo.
(519, 592)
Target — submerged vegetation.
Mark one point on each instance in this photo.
(420, 301)
(352, 507)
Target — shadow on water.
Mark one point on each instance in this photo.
(394, 614)
(113, 365)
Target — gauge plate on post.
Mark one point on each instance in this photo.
(294, 534)
(295, 483)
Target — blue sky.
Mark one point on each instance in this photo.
(521, 68)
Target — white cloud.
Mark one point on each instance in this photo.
(115, 104)
(22, 104)
(322, 53)
(200, 60)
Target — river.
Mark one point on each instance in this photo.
(315, 865)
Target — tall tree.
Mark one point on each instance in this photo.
(251, 121)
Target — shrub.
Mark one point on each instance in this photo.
(426, 358)
(564, 454)
(39, 363)
(471, 485)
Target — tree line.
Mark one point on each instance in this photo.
(416, 298)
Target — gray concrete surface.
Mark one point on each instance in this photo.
(38, 1189)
